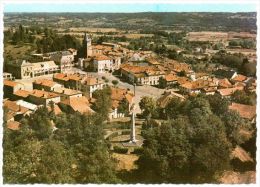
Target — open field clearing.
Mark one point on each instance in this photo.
(207, 36)
(87, 29)
(125, 162)
(16, 51)
(217, 36)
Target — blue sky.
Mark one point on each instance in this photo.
(130, 7)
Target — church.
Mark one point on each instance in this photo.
(102, 58)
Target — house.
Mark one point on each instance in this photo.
(141, 75)
(165, 99)
(90, 84)
(21, 94)
(45, 84)
(68, 80)
(137, 57)
(66, 93)
(229, 74)
(17, 111)
(102, 64)
(13, 125)
(76, 104)
(202, 75)
(41, 97)
(209, 90)
(25, 70)
(171, 79)
(240, 157)
(245, 111)
(227, 92)
(11, 87)
(56, 109)
(81, 82)
(30, 106)
(239, 78)
(197, 86)
(117, 96)
(178, 67)
(64, 59)
(224, 83)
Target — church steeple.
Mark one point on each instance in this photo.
(87, 46)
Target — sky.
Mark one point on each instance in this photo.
(29, 7)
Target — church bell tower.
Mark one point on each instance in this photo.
(87, 46)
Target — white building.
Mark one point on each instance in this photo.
(90, 84)
(103, 64)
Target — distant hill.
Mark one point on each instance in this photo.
(148, 20)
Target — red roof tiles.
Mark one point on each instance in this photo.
(245, 111)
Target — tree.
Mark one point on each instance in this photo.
(115, 82)
(173, 108)
(123, 106)
(103, 102)
(242, 97)
(53, 169)
(218, 104)
(148, 106)
(182, 73)
(233, 123)
(162, 82)
(166, 155)
(41, 123)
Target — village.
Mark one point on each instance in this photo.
(59, 79)
(145, 87)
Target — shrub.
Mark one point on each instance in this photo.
(122, 150)
(138, 150)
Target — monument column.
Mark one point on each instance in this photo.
(132, 135)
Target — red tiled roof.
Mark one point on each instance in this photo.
(119, 94)
(79, 104)
(10, 83)
(229, 91)
(224, 83)
(43, 94)
(22, 93)
(239, 78)
(149, 70)
(245, 111)
(44, 82)
(167, 97)
(101, 57)
(13, 107)
(13, 125)
(92, 81)
(56, 110)
(171, 77)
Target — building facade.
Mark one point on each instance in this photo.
(25, 70)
